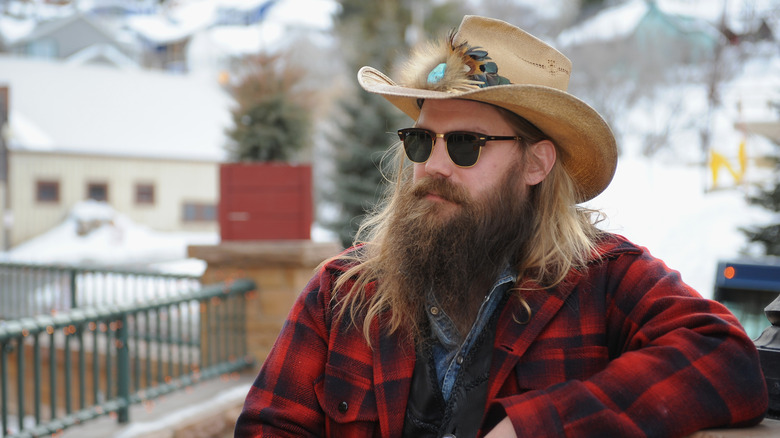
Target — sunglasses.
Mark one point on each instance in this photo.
(463, 147)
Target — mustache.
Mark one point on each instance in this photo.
(442, 188)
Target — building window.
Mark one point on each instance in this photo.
(144, 194)
(97, 191)
(47, 191)
(199, 212)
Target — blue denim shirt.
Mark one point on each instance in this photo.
(447, 353)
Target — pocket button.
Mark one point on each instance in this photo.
(343, 407)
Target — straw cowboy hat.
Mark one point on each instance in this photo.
(491, 61)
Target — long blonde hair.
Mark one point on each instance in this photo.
(564, 237)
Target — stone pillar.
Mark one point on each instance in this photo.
(280, 269)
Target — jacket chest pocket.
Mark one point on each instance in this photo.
(541, 368)
(348, 402)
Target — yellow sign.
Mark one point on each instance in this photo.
(718, 160)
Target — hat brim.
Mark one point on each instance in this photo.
(587, 146)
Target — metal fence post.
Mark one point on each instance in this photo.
(123, 370)
(20, 378)
(52, 371)
(4, 389)
(72, 277)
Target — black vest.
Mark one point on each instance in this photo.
(428, 414)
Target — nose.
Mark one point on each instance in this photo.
(439, 163)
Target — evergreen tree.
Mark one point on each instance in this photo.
(371, 33)
(272, 118)
(359, 150)
(768, 236)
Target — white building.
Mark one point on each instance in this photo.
(148, 143)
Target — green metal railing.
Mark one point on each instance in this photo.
(30, 290)
(60, 370)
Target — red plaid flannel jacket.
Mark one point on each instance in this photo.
(621, 349)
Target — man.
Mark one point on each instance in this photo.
(481, 300)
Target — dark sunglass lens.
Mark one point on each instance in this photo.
(463, 149)
(417, 145)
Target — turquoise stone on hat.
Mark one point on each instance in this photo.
(437, 73)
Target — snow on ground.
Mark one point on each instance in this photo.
(664, 207)
(95, 234)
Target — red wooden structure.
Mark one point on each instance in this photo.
(265, 201)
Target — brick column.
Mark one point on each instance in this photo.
(280, 270)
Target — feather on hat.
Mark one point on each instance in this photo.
(451, 67)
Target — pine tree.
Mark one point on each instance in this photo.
(768, 236)
(272, 118)
(358, 152)
(371, 33)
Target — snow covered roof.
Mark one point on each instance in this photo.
(46, 28)
(621, 20)
(176, 21)
(13, 29)
(188, 18)
(102, 52)
(174, 24)
(56, 106)
(109, 7)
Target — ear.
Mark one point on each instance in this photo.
(539, 162)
